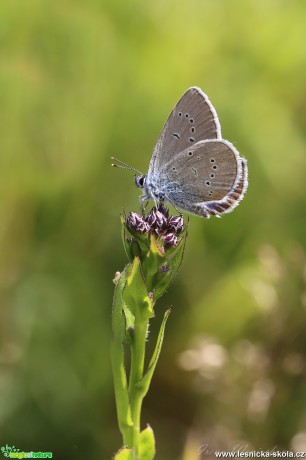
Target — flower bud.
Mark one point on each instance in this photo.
(170, 240)
(136, 223)
(151, 217)
(157, 221)
(163, 269)
(176, 224)
(165, 211)
(161, 222)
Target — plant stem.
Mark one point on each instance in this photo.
(137, 366)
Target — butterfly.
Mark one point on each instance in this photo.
(192, 167)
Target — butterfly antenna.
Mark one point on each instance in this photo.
(123, 165)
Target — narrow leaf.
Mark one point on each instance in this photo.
(155, 248)
(163, 281)
(124, 238)
(144, 383)
(177, 258)
(121, 388)
(118, 321)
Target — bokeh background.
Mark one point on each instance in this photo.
(80, 82)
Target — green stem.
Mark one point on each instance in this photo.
(138, 348)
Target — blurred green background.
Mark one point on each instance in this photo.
(80, 82)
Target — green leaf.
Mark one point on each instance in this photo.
(123, 236)
(143, 242)
(151, 263)
(147, 444)
(125, 454)
(129, 318)
(121, 387)
(163, 280)
(118, 319)
(121, 322)
(135, 249)
(144, 383)
(155, 248)
(135, 295)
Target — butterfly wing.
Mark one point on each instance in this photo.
(207, 178)
(194, 118)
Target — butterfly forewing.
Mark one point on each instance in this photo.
(193, 119)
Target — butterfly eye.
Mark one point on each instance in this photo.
(140, 180)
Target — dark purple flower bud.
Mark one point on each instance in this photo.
(151, 217)
(170, 240)
(161, 222)
(163, 269)
(137, 223)
(176, 224)
(157, 221)
(165, 211)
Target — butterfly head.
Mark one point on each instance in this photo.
(140, 181)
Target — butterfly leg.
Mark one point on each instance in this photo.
(143, 203)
